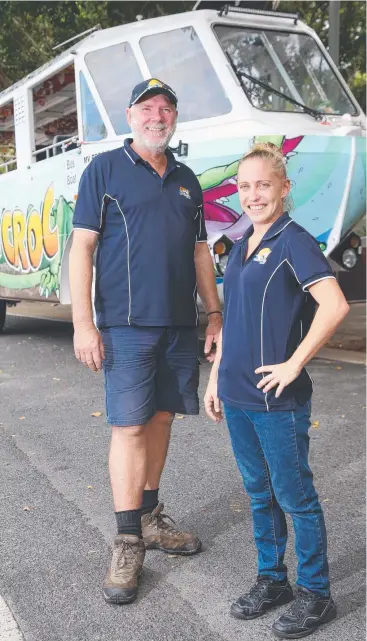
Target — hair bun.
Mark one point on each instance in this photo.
(267, 151)
(269, 147)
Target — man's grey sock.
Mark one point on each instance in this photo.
(150, 501)
(129, 522)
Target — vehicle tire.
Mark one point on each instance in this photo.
(2, 314)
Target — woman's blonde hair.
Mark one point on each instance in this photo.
(272, 153)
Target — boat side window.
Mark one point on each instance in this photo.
(93, 126)
(55, 114)
(291, 63)
(178, 58)
(8, 158)
(115, 71)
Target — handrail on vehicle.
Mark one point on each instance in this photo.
(56, 145)
(60, 146)
(6, 165)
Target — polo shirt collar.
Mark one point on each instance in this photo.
(135, 158)
(274, 230)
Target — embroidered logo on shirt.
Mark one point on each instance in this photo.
(185, 192)
(263, 255)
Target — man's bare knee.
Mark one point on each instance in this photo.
(128, 432)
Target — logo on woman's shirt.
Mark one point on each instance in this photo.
(262, 256)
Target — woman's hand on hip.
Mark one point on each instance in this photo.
(212, 404)
(278, 376)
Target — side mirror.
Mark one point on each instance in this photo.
(182, 149)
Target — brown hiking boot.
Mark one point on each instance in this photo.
(160, 535)
(121, 583)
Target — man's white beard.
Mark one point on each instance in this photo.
(159, 146)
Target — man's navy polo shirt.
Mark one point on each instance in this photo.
(148, 227)
(267, 313)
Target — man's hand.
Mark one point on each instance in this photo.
(211, 335)
(280, 375)
(88, 346)
(212, 403)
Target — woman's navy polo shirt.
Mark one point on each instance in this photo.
(267, 312)
(148, 227)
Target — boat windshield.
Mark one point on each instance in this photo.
(177, 57)
(291, 63)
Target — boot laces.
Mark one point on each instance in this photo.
(157, 518)
(126, 556)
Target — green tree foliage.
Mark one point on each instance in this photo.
(29, 30)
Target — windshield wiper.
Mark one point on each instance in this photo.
(309, 110)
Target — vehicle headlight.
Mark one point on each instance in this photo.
(349, 258)
(221, 249)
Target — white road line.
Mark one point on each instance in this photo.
(9, 630)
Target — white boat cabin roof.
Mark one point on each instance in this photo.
(135, 30)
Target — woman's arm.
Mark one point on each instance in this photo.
(332, 309)
(211, 401)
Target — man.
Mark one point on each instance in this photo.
(144, 211)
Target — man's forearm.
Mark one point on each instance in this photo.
(205, 278)
(80, 278)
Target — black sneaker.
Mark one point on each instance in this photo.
(305, 615)
(265, 594)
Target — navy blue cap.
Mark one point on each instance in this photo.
(152, 87)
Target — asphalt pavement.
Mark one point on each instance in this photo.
(57, 519)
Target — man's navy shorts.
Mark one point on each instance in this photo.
(150, 369)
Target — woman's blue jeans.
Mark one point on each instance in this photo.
(271, 450)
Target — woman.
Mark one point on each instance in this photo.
(275, 276)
